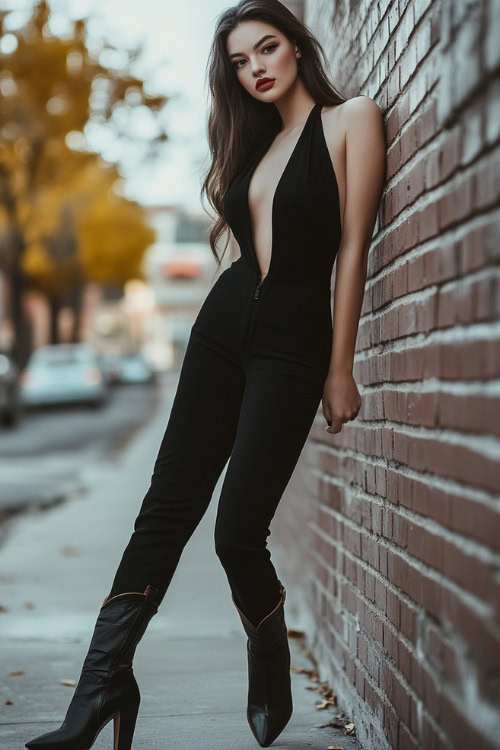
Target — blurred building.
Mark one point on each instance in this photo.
(180, 268)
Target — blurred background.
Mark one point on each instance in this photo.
(104, 255)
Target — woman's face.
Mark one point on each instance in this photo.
(258, 50)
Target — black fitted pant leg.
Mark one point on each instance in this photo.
(276, 415)
(196, 445)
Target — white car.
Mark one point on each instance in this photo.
(62, 373)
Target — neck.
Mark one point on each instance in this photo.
(294, 107)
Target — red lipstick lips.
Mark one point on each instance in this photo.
(264, 83)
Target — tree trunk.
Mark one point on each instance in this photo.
(22, 327)
(75, 303)
(55, 307)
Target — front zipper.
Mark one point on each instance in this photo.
(257, 290)
(259, 284)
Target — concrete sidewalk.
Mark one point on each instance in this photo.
(56, 567)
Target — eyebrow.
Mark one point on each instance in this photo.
(267, 36)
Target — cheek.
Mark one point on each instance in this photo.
(247, 80)
(282, 61)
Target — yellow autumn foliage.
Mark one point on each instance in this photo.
(112, 238)
(69, 222)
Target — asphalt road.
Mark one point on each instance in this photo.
(43, 460)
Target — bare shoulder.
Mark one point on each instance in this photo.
(361, 105)
(350, 111)
(353, 116)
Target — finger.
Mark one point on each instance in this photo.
(334, 426)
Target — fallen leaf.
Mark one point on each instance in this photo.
(349, 728)
(18, 672)
(29, 605)
(333, 723)
(3, 609)
(8, 702)
(69, 551)
(70, 683)
(303, 670)
(324, 704)
(334, 747)
(296, 633)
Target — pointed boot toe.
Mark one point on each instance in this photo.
(267, 727)
(270, 704)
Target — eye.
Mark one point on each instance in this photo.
(268, 46)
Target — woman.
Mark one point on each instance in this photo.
(297, 173)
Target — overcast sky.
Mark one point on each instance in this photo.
(176, 35)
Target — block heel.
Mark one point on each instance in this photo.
(124, 725)
(107, 688)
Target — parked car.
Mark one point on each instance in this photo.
(135, 369)
(61, 373)
(110, 365)
(10, 391)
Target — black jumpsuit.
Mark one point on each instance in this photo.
(250, 385)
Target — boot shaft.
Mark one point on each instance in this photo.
(270, 631)
(120, 625)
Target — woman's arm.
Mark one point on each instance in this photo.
(364, 181)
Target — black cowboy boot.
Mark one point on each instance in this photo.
(269, 685)
(107, 688)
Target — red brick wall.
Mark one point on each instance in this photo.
(389, 533)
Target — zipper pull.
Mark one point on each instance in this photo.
(257, 290)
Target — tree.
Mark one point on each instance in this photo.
(52, 88)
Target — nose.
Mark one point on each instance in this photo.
(257, 69)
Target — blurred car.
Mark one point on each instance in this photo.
(10, 391)
(61, 373)
(135, 369)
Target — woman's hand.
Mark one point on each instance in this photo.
(341, 400)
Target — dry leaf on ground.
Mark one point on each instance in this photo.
(296, 633)
(326, 703)
(69, 551)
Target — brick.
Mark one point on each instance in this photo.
(451, 151)
(372, 699)
(469, 413)
(428, 222)
(391, 726)
(491, 50)
(460, 731)
(426, 124)
(487, 183)
(404, 661)
(406, 740)
(408, 621)
(432, 174)
(430, 735)
(475, 520)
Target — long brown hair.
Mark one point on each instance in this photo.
(237, 122)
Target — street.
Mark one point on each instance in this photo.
(44, 458)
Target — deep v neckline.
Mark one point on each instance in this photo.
(254, 165)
